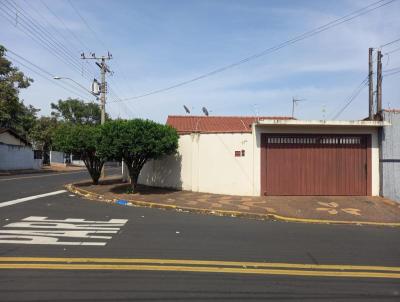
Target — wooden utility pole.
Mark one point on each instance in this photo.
(371, 84)
(379, 84)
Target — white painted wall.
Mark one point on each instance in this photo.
(78, 163)
(57, 157)
(7, 138)
(14, 157)
(315, 130)
(206, 163)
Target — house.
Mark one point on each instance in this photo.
(10, 137)
(253, 156)
(16, 153)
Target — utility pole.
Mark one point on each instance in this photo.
(379, 84)
(103, 85)
(371, 84)
(101, 62)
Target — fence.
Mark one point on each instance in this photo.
(390, 155)
(13, 157)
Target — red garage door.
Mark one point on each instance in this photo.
(316, 164)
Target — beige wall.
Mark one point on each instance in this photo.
(315, 129)
(9, 139)
(206, 163)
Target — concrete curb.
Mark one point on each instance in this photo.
(93, 196)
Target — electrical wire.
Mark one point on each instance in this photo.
(391, 73)
(48, 36)
(59, 33)
(65, 26)
(390, 43)
(41, 40)
(352, 97)
(364, 10)
(97, 37)
(44, 77)
(392, 51)
(391, 69)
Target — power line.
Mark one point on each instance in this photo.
(366, 9)
(353, 96)
(97, 37)
(58, 32)
(390, 43)
(65, 47)
(391, 73)
(41, 38)
(42, 71)
(86, 23)
(94, 34)
(65, 26)
(44, 77)
(43, 33)
(391, 69)
(392, 51)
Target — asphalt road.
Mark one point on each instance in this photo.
(162, 236)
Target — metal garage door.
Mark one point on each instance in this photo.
(316, 164)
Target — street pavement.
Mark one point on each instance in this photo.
(107, 252)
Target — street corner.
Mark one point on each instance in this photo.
(358, 210)
(353, 210)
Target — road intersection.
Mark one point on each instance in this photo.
(151, 254)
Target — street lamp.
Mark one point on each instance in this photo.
(72, 80)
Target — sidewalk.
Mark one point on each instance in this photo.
(312, 209)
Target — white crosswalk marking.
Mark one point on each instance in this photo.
(41, 230)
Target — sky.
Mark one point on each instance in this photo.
(156, 44)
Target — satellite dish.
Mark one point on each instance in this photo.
(205, 111)
(186, 109)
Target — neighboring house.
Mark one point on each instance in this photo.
(389, 138)
(10, 137)
(255, 156)
(16, 152)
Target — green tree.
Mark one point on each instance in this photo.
(137, 141)
(41, 134)
(82, 140)
(77, 111)
(13, 113)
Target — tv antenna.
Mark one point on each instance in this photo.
(294, 104)
(186, 109)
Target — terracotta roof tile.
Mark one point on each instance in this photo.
(186, 124)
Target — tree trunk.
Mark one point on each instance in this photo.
(94, 166)
(134, 175)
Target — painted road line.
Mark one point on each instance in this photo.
(16, 201)
(253, 265)
(197, 269)
(41, 230)
(44, 175)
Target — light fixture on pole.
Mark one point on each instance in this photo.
(72, 80)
